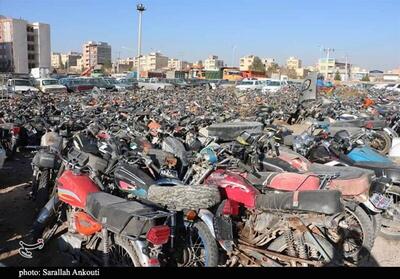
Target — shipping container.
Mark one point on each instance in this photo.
(213, 74)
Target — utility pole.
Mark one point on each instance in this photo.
(328, 52)
(140, 8)
(233, 56)
(347, 71)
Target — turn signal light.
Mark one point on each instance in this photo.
(158, 235)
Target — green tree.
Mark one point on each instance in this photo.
(365, 78)
(257, 65)
(337, 76)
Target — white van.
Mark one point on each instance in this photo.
(248, 84)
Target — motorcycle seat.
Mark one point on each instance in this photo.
(285, 181)
(351, 181)
(320, 201)
(182, 197)
(120, 215)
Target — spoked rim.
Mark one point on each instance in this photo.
(119, 256)
(195, 254)
(353, 234)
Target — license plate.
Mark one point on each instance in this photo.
(380, 201)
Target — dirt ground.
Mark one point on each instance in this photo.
(17, 213)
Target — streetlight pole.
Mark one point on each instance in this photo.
(140, 8)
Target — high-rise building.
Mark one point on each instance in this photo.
(96, 54)
(24, 45)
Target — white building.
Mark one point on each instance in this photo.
(25, 45)
(212, 63)
(178, 65)
(293, 63)
(152, 62)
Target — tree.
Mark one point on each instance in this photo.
(365, 78)
(337, 76)
(106, 67)
(273, 68)
(257, 65)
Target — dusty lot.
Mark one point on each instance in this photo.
(17, 213)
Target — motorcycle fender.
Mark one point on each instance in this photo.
(207, 217)
(392, 133)
(351, 205)
(139, 247)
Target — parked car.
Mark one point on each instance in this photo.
(394, 88)
(118, 85)
(129, 81)
(155, 84)
(245, 85)
(274, 86)
(76, 84)
(21, 86)
(50, 85)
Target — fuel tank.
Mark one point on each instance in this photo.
(73, 189)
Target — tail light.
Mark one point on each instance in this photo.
(230, 208)
(16, 130)
(153, 262)
(158, 235)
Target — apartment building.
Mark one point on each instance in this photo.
(96, 53)
(268, 62)
(123, 65)
(178, 65)
(212, 63)
(246, 62)
(329, 67)
(56, 62)
(152, 62)
(293, 63)
(24, 45)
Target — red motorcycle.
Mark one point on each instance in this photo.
(101, 228)
(276, 228)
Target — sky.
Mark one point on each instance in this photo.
(367, 32)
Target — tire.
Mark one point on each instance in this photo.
(361, 226)
(43, 189)
(384, 139)
(122, 244)
(279, 245)
(184, 196)
(200, 233)
(231, 130)
(376, 223)
(387, 221)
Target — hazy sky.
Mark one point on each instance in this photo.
(367, 31)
